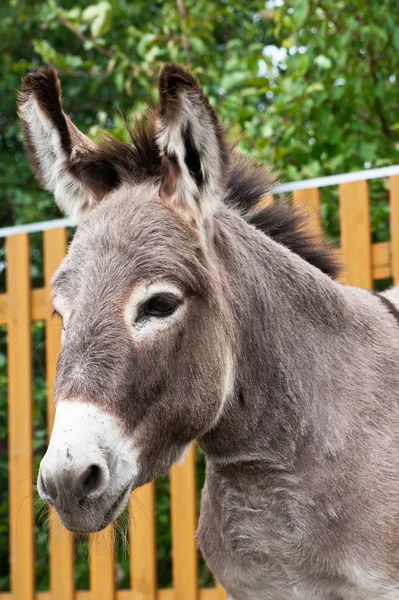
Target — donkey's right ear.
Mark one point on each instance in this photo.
(64, 160)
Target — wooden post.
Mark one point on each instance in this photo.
(102, 564)
(394, 223)
(143, 573)
(310, 199)
(221, 594)
(20, 402)
(61, 540)
(265, 201)
(355, 233)
(184, 522)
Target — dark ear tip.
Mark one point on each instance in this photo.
(173, 76)
(40, 80)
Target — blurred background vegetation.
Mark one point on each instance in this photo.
(309, 85)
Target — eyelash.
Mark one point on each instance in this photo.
(145, 309)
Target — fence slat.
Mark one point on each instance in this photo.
(143, 573)
(102, 564)
(381, 259)
(394, 220)
(310, 199)
(163, 594)
(265, 201)
(61, 541)
(20, 419)
(220, 592)
(184, 521)
(355, 233)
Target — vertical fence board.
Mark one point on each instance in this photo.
(20, 419)
(265, 201)
(221, 594)
(61, 541)
(143, 573)
(355, 233)
(184, 521)
(102, 564)
(310, 199)
(394, 222)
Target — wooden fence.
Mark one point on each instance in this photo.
(19, 306)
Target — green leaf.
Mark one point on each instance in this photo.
(300, 13)
(317, 86)
(119, 79)
(99, 16)
(45, 50)
(323, 62)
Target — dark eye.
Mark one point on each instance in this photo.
(161, 305)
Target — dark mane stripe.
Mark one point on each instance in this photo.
(286, 224)
(247, 184)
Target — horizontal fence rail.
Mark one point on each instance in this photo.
(283, 188)
(364, 263)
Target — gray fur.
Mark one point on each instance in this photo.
(302, 485)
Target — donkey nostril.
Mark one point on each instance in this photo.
(92, 480)
(47, 487)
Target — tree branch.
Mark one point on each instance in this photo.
(84, 38)
(373, 69)
(183, 15)
(181, 9)
(378, 104)
(328, 14)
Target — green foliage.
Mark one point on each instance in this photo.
(108, 55)
(308, 86)
(335, 107)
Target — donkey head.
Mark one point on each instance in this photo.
(145, 365)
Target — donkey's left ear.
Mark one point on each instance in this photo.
(64, 160)
(195, 153)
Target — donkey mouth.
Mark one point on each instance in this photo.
(77, 523)
(117, 507)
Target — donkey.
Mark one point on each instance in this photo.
(189, 313)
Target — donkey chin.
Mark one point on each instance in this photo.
(89, 469)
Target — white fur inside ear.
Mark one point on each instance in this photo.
(69, 193)
(188, 200)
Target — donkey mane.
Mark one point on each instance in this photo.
(286, 224)
(247, 184)
(140, 161)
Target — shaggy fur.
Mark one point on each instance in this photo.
(287, 379)
(111, 162)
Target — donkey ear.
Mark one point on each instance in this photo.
(194, 150)
(64, 160)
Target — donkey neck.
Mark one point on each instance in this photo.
(288, 316)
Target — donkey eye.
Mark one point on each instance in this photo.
(161, 305)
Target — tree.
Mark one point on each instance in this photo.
(108, 55)
(309, 85)
(334, 104)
